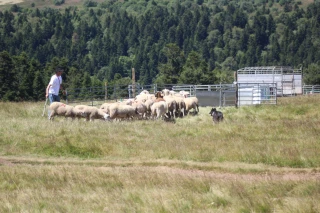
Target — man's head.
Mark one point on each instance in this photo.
(58, 71)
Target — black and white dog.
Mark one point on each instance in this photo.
(217, 116)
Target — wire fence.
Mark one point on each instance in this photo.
(220, 95)
(97, 95)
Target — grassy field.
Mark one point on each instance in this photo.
(260, 159)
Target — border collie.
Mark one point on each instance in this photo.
(217, 116)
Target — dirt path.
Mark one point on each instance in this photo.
(4, 2)
(223, 171)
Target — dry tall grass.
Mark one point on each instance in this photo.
(260, 159)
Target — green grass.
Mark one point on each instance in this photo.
(260, 159)
(286, 134)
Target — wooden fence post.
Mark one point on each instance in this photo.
(237, 88)
(105, 91)
(133, 83)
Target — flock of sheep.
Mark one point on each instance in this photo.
(164, 104)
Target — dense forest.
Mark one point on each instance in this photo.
(173, 42)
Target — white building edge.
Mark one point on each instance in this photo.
(287, 80)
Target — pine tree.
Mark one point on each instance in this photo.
(38, 87)
(24, 76)
(8, 83)
(169, 72)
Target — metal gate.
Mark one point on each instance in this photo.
(220, 95)
(256, 93)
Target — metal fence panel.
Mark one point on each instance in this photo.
(311, 89)
(221, 95)
(256, 93)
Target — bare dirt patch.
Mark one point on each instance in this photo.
(220, 171)
(4, 2)
(5, 162)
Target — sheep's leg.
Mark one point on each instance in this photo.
(186, 111)
(195, 107)
(51, 116)
(90, 118)
(158, 114)
(154, 116)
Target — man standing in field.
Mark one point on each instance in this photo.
(54, 86)
(52, 91)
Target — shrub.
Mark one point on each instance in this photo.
(89, 3)
(58, 2)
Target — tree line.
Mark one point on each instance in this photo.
(182, 41)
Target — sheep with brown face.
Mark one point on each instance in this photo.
(159, 97)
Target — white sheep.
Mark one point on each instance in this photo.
(61, 109)
(172, 105)
(190, 104)
(151, 97)
(181, 105)
(91, 113)
(184, 94)
(148, 105)
(159, 109)
(122, 111)
(144, 92)
(141, 108)
(129, 101)
(105, 107)
(166, 92)
(196, 101)
(178, 97)
(172, 93)
(141, 97)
